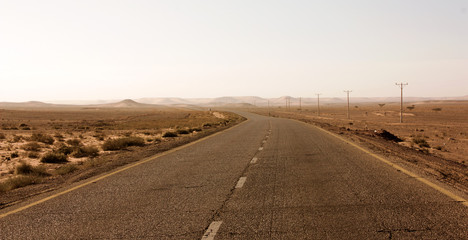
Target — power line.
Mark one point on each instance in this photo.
(347, 93)
(401, 85)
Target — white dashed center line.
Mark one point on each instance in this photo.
(241, 182)
(254, 160)
(260, 148)
(212, 230)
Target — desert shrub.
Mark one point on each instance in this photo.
(389, 136)
(17, 182)
(59, 136)
(64, 149)
(2, 136)
(33, 155)
(195, 130)
(437, 109)
(74, 142)
(207, 125)
(14, 155)
(32, 146)
(127, 134)
(85, 151)
(54, 157)
(17, 138)
(182, 131)
(122, 143)
(99, 136)
(169, 134)
(438, 148)
(42, 137)
(65, 169)
(421, 142)
(27, 169)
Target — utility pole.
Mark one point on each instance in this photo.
(300, 103)
(318, 103)
(347, 93)
(269, 107)
(401, 85)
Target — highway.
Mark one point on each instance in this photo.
(266, 178)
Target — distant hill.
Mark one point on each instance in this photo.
(29, 105)
(128, 103)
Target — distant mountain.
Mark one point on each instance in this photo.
(127, 103)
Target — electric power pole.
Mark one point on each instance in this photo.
(347, 93)
(300, 103)
(401, 85)
(318, 103)
(269, 107)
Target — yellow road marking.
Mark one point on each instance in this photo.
(411, 174)
(116, 171)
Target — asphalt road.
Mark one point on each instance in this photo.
(267, 178)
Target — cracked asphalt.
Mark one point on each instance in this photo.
(303, 184)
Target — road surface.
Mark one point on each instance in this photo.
(267, 178)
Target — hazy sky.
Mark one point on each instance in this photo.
(71, 50)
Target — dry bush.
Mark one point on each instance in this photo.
(14, 155)
(33, 155)
(99, 136)
(2, 136)
(195, 129)
(122, 143)
(42, 137)
(17, 138)
(32, 146)
(64, 149)
(182, 131)
(68, 168)
(27, 169)
(74, 142)
(169, 134)
(59, 137)
(18, 181)
(85, 151)
(54, 157)
(421, 142)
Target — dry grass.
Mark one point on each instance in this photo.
(65, 169)
(122, 143)
(27, 169)
(54, 157)
(18, 181)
